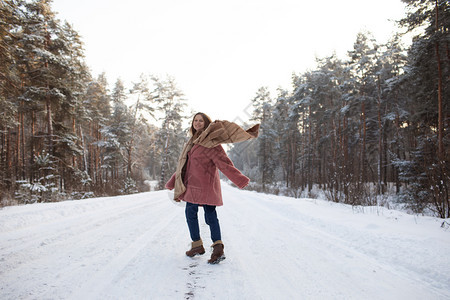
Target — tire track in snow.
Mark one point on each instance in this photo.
(81, 215)
(62, 230)
(73, 254)
(329, 264)
(162, 270)
(274, 250)
(104, 277)
(28, 216)
(339, 237)
(254, 247)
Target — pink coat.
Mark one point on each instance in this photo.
(202, 176)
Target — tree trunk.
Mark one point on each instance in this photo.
(49, 125)
(380, 142)
(8, 158)
(162, 178)
(310, 152)
(345, 167)
(363, 145)
(22, 150)
(74, 158)
(17, 156)
(32, 146)
(98, 173)
(440, 104)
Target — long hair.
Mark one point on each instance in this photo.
(206, 119)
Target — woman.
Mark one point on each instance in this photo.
(196, 180)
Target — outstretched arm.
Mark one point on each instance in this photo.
(226, 166)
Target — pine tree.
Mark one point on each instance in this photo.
(170, 104)
(262, 114)
(97, 110)
(286, 115)
(9, 89)
(426, 83)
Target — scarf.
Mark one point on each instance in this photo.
(218, 132)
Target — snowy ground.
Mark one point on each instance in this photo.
(132, 247)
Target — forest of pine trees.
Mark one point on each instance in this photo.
(360, 128)
(365, 127)
(64, 134)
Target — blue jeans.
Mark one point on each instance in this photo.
(210, 219)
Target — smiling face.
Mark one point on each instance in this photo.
(198, 123)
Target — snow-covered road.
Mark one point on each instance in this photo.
(132, 247)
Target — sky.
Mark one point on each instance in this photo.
(221, 52)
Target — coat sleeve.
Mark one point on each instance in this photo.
(171, 183)
(226, 166)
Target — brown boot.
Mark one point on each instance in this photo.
(196, 249)
(217, 255)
